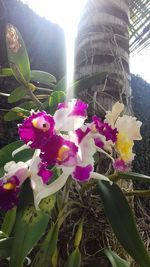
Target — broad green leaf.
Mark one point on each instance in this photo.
(11, 116)
(17, 94)
(21, 111)
(61, 85)
(29, 227)
(115, 260)
(133, 176)
(9, 221)
(5, 247)
(74, 260)
(1, 171)
(47, 249)
(28, 105)
(17, 53)
(42, 77)
(16, 113)
(6, 153)
(122, 222)
(54, 99)
(5, 72)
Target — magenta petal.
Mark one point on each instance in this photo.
(45, 173)
(105, 129)
(82, 174)
(79, 109)
(98, 142)
(9, 198)
(62, 105)
(50, 149)
(121, 166)
(60, 151)
(36, 135)
(81, 134)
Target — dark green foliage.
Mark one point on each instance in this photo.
(141, 108)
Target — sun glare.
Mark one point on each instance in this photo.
(66, 13)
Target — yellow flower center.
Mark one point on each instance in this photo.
(124, 146)
(93, 128)
(9, 186)
(63, 152)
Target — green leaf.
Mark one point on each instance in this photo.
(5, 247)
(17, 53)
(78, 235)
(9, 221)
(11, 116)
(74, 260)
(21, 111)
(61, 85)
(133, 176)
(54, 99)
(115, 260)
(28, 105)
(6, 153)
(5, 72)
(17, 94)
(47, 249)
(122, 222)
(16, 113)
(30, 226)
(55, 258)
(42, 77)
(1, 171)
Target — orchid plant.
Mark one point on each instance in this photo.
(57, 148)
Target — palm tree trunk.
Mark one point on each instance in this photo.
(102, 47)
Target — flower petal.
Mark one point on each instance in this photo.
(82, 173)
(111, 116)
(130, 126)
(50, 189)
(70, 117)
(36, 129)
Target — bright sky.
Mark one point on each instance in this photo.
(66, 13)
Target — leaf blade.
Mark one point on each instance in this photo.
(122, 222)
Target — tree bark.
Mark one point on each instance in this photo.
(102, 47)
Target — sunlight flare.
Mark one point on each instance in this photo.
(67, 14)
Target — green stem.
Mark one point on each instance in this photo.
(138, 193)
(33, 97)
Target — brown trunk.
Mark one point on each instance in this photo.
(102, 46)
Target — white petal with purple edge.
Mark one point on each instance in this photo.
(48, 190)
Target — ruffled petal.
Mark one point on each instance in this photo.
(130, 126)
(82, 173)
(111, 116)
(70, 116)
(36, 129)
(122, 166)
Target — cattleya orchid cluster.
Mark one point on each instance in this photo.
(66, 142)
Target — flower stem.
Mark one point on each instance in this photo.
(138, 193)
